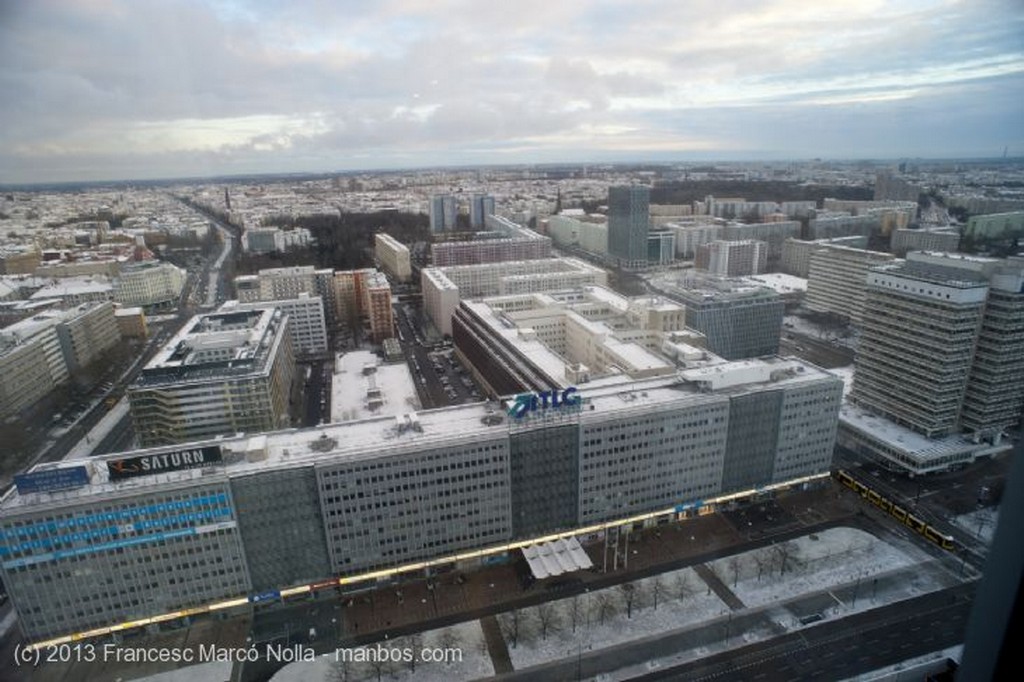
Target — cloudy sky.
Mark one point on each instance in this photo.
(112, 89)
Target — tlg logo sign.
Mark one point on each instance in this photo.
(525, 403)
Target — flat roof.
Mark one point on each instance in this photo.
(374, 437)
(364, 386)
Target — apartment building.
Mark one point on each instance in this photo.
(837, 280)
(393, 256)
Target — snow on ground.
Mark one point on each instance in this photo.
(813, 563)
(616, 628)
(802, 326)
(84, 447)
(981, 523)
(846, 374)
(467, 639)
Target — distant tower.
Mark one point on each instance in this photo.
(227, 199)
(442, 212)
(628, 224)
(480, 206)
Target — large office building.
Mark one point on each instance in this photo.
(307, 326)
(504, 240)
(946, 240)
(480, 206)
(132, 539)
(443, 212)
(223, 373)
(393, 256)
(532, 342)
(42, 352)
(733, 259)
(740, 319)
(443, 288)
(149, 284)
(796, 253)
(941, 356)
(628, 223)
(837, 279)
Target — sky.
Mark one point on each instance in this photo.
(132, 89)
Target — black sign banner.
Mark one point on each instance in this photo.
(178, 460)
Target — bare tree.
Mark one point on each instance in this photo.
(627, 591)
(784, 552)
(448, 639)
(547, 618)
(735, 564)
(576, 609)
(510, 623)
(641, 594)
(343, 670)
(762, 563)
(604, 606)
(380, 667)
(657, 590)
(683, 589)
(413, 643)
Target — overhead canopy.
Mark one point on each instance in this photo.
(555, 558)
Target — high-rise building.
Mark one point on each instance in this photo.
(941, 357)
(628, 224)
(480, 206)
(919, 328)
(837, 278)
(223, 373)
(443, 211)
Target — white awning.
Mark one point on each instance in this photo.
(555, 558)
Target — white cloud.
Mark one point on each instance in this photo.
(111, 86)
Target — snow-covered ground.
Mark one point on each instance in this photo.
(84, 447)
(981, 523)
(467, 639)
(813, 563)
(594, 632)
(799, 325)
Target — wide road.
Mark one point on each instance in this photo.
(843, 648)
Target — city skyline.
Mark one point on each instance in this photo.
(103, 91)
